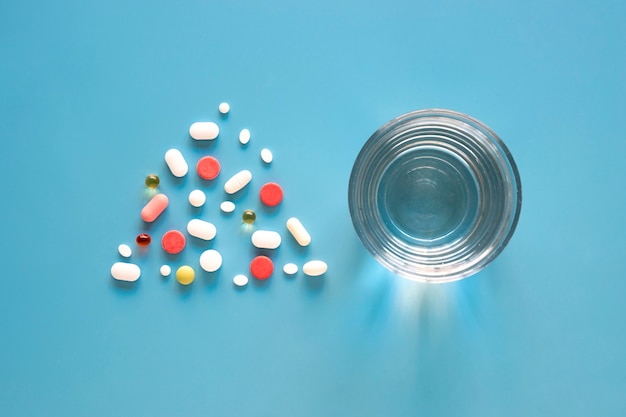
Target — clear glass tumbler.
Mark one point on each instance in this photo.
(434, 195)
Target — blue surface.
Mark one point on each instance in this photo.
(93, 93)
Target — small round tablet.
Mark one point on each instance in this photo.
(208, 168)
(261, 267)
(211, 260)
(173, 242)
(224, 108)
(266, 156)
(240, 280)
(185, 275)
(125, 250)
(197, 198)
(227, 206)
(244, 136)
(290, 269)
(271, 194)
(165, 270)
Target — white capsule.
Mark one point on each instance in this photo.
(227, 206)
(266, 239)
(224, 108)
(266, 155)
(197, 198)
(211, 260)
(290, 269)
(204, 131)
(176, 163)
(298, 232)
(315, 268)
(244, 136)
(125, 250)
(238, 181)
(123, 271)
(201, 229)
(165, 270)
(240, 280)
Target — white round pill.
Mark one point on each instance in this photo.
(211, 260)
(244, 136)
(224, 108)
(266, 156)
(125, 250)
(204, 130)
(290, 269)
(197, 198)
(227, 206)
(240, 280)
(165, 270)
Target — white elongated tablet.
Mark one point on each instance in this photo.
(238, 181)
(244, 136)
(204, 131)
(211, 260)
(201, 229)
(315, 268)
(176, 163)
(125, 250)
(266, 239)
(227, 206)
(240, 280)
(298, 232)
(124, 271)
(266, 155)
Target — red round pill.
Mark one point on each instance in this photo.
(173, 242)
(271, 194)
(261, 267)
(208, 168)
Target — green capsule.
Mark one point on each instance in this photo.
(248, 216)
(152, 181)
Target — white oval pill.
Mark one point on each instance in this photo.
(266, 156)
(165, 270)
(238, 181)
(197, 198)
(211, 260)
(290, 269)
(204, 131)
(224, 108)
(123, 271)
(298, 232)
(315, 268)
(266, 239)
(227, 206)
(125, 250)
(244, 136)
(240, 280)
(201, 229)
(176, 163)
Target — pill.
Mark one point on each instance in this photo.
(266, 156)
(125, 250)
(271, 194)
(211, 260)
(152, 181)
(176, 163)
(143, 239)
(201, 229)
(154, 208)
(165, 270)
(197, 198)
(208, 168)
(290, 269)
(185, 275)
(314, 268)
(204, 131)
(173, 242)
(124, 271)
(261, 267)
(227, 206)
(240, 280)
(244, 136)
(298, 232)
(266, 239)
(238, 181)
(248, 217)
(224, 108)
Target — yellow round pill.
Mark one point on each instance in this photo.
(185, 275)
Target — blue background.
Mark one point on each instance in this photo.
(93, 93)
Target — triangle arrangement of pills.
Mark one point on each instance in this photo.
(174, 241)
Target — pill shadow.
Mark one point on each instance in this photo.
(200, 243)
(183, 290)
(314, 284)
(238, 196)
(204, 144)
(269, 212)
(211, 279)
(124, 287)
(262, 284)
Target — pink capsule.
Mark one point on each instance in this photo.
(154, 208)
